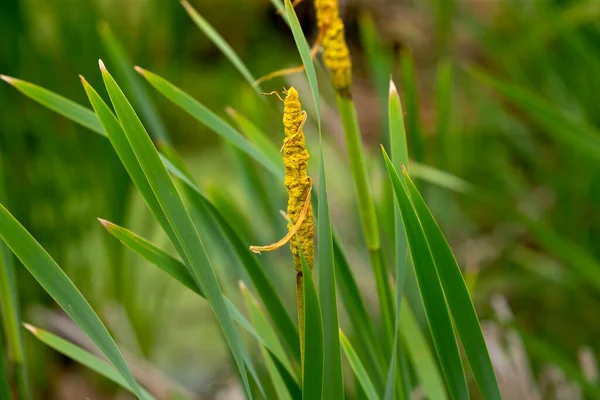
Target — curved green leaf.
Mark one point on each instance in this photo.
(83, 357)
(54, 281)
(178, 217)
(218, 41)
(358, 368)
(210, 119)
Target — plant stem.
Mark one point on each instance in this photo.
(300, 305)
(366, 209)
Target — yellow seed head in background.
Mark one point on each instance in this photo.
(335, 49)
(297, 181)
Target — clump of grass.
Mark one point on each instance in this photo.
(182, 209)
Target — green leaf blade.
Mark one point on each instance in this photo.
(178, 217)
(431, 290)
(210, 119)
(459, 301)
(54, 281)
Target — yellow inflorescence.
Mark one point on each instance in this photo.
(335, 50)
(297, 181)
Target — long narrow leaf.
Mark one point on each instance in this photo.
(459, 301)
(431, 290)
(312, 376)
(10, 313)
(210, 119)
(139, 95)
(421, 355)
(178, 217)
(218, 41)
(334, 389)
(358, 368)
(54, 281)
(83, 357)
(57, 103)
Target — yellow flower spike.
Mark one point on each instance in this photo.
(298, 184)
(335, 49)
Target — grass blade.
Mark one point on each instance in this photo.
(304, 51)
(54, 281)
(312, 382)
(263, 327)
(11, 314)
(334, 389)
(256, 136)
(57, 103)
(177, 270)
(411, 101)
(358, 368)
(5, 391)
(457, 295)
(210, 119)
(178, 217)
(431, 291)
(218, 41)
(83, 357)
(137, 92)
(420, 355)
(358, 315)
(577, 134)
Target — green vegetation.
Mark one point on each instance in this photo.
(484, 194)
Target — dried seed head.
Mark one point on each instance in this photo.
(335, 49)
(297, 181)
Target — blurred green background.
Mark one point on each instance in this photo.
(530, 240)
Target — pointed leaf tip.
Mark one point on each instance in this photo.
(393, 89)
(105, 223)
(31, 328)
(139, 70)
(7, 79)
(101, 64)
(242, 285)
(82, 79)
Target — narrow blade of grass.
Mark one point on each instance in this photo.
(218, 41)
(137, 92)
(576, 134)
(256, 136)
(5, 391)
(358, 314)
(178, 217)
(57, 103)
(210, 119)
(334, 389)
(459, 301)
(54, 281)
(263, 327)
(443, 97)
(11, 313)
(83, 357)
(304, 51)
(399, 151)
(431, 290)
(421, 355)
(358, 368)
(312, 382)
(439, 178)
(411, 102)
